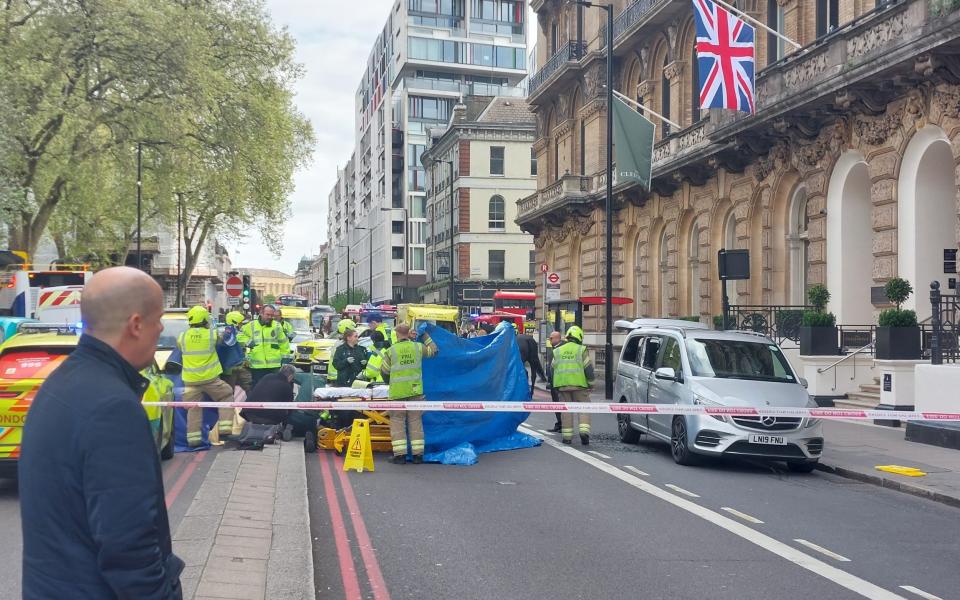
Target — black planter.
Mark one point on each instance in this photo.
(819, 341)
(898, 343)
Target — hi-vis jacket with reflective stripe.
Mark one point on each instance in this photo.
(570, 365)
(269, 344)
(198, 345)
(403, 361)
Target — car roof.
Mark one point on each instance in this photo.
(698, 333)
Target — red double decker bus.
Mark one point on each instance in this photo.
(516, 303)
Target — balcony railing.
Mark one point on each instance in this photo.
(630, 16)
(566, 186)
(571, 51)
(466, 89)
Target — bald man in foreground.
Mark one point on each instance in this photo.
(91, 490)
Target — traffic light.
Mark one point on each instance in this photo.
(245, 299)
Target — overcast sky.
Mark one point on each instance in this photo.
(333, 46)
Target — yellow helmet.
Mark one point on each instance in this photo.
(235, 318)
(345, 324)
(575, 333)
(197, 315)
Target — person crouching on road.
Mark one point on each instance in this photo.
(349, 359)
(201, 374)
(273, 387)
(572, 375)
(402, 368)
(266, 342)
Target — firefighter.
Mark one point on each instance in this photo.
(402, 367)
(572, 376)
(236, 372)
(266, 343)
(201, 374)
(342, 328)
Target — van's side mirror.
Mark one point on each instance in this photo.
(803, 382)
(666, 373)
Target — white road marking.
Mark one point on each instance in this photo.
(920, 592)
(680, 490)
(814, 565)
(636, 470)
(544, 431)
(822, 550)
(742, 515)
(600, 454)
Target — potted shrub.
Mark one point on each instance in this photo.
(818, 334)
(898, 335)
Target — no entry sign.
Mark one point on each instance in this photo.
(234, 286)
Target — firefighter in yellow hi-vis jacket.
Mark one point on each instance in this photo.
(572, 376)
(201, 374)
(402, 367)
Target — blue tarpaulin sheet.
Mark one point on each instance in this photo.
(475, 369)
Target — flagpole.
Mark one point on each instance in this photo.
(747, 17)
(645, 109)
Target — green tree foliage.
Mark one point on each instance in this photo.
(206, 85)
(340, 300)
(897, 291)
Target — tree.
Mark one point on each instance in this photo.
(340, 300)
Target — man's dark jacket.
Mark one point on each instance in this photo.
(91, 489)
(272, 387)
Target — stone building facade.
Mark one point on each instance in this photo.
(846, 174)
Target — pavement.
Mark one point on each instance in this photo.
(245, 535)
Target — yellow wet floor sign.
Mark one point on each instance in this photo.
(359, 452)
(908, 471)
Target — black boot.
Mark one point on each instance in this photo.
(418, 459)
(567, 442)
(556, 428)
(585, 439)
(398, 459)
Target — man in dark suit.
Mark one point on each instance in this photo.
(91, 489)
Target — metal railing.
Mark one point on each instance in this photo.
(943, 338)
(572, 50)
(779, 323)
(853, 355)
(630, 16)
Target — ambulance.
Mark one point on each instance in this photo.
(21, 286)
(416, 314)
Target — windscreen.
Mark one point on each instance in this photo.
(735, 359)
(56, 278)
(172, 328)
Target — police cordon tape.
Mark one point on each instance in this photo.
(584, 407)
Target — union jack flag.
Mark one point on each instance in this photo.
(725, 57)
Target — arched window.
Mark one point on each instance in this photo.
(695, 112)
(693, 268)
(730, 231)
(497, 217)
(665, 95)
(798, 244)
(664, 268)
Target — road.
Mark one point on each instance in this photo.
(620, 521)
(182, 477)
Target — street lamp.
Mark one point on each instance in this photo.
(608, 346)
(347, 245)
(140, 145)
(370, 260)
(453, 294)
(406, 219)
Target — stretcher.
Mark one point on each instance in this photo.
(332, 438)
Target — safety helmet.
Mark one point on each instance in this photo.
(575, 333)
(345, 324)
(197, 315)
(235, 318)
